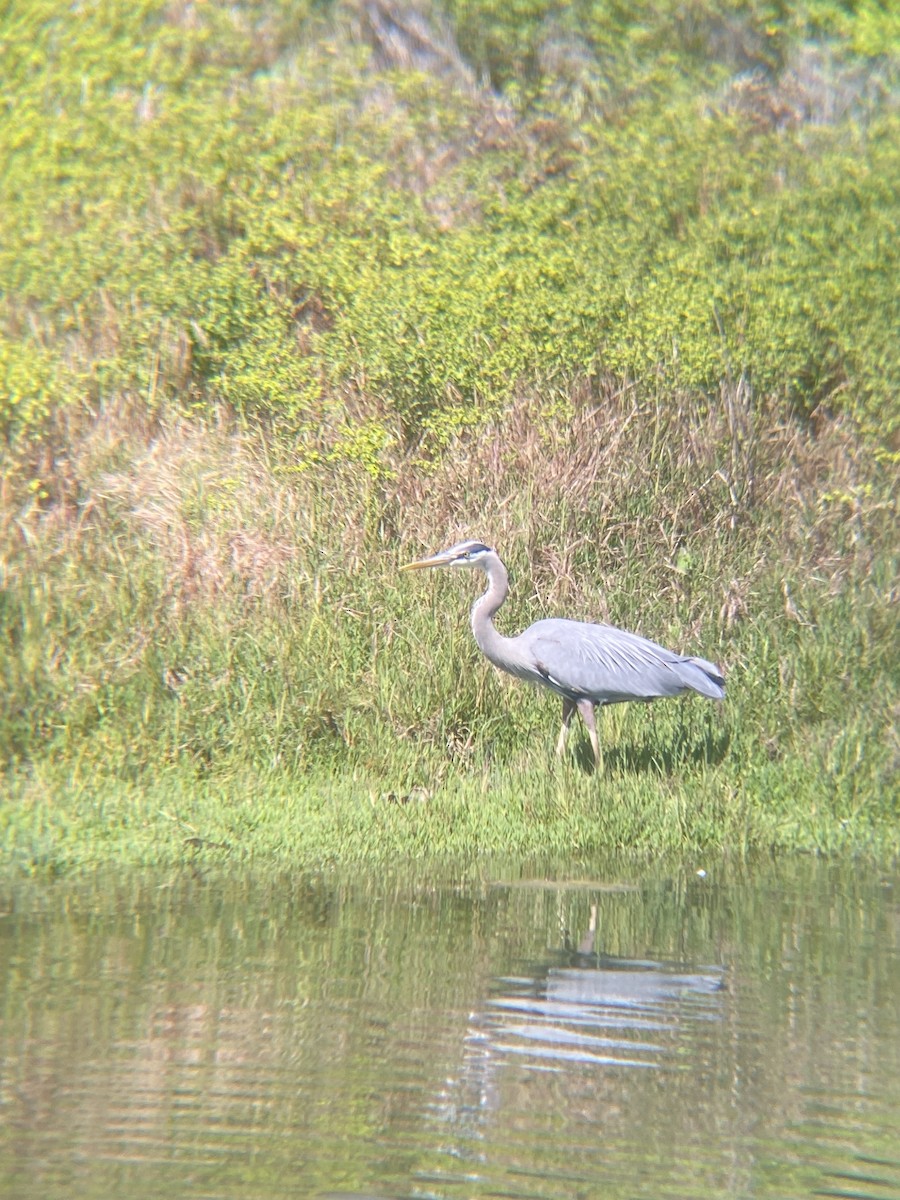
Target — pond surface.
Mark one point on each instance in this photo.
(586, 1033)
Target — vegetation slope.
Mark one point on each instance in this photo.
(294, 292)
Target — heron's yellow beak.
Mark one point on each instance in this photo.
(439, 560)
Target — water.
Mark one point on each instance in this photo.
(545, 1034)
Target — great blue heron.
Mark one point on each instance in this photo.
(584, 663)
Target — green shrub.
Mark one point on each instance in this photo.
(286, 239)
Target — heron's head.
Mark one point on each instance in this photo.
(463, 554)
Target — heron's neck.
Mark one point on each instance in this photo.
(491, 643)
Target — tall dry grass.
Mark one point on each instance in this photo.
(194, 598)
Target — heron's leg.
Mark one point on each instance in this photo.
(568, 713)
(586, 708)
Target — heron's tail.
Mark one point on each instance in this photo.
(703, 677)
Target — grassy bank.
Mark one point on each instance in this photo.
(525, 810)
(618, 297)
(216, 655)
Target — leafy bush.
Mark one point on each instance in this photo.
(180, 224)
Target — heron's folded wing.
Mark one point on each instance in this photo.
(608, 665)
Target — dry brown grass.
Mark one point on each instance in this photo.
(576, 488)
(617, 469)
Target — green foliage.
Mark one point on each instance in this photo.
(611, 51)
(28, 385)
(295, 227)
(676, 224)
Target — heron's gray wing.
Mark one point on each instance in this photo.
(609, 665)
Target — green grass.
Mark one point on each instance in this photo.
(197, 670)
(820, 802)
(629, 314)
